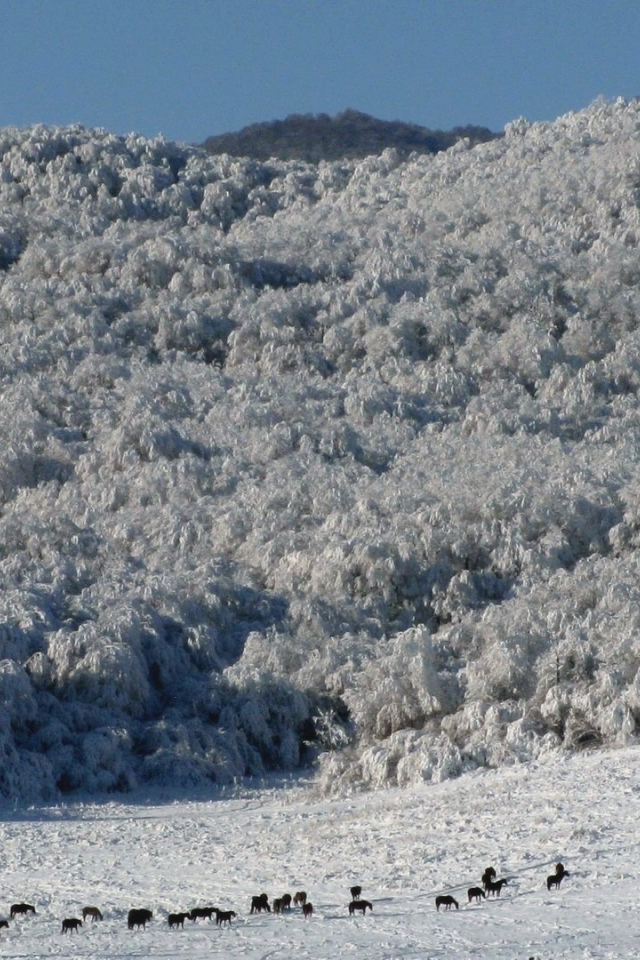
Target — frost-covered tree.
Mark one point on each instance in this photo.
(329, 462)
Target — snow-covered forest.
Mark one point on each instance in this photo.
(334, 463)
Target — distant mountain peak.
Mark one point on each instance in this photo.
(349, 135)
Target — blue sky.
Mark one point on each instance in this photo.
(191, 68)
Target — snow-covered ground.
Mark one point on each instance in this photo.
(403, 846)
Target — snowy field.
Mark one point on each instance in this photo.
(403, 846)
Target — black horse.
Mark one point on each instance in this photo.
(177, 920)
(138, 918)
(476, 893)
(21, 908)
(260, 903)
(447, 902)
(555, 879)
(205, 912)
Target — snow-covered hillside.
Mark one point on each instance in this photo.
(299, 460)
(404, 847)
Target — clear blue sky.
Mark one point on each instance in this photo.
(191, 68)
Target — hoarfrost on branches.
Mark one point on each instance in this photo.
(301, 462)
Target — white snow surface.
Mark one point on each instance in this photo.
(403, 846)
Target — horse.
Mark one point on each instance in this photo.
(475, 893)
(138, 918)
(355, 892)
(21, 908)
(494, 887)
(4, 923)
(359, 905)
(71, 924)
(488, 876)
(177, 920)
(555, 879)
(260, 903)
(307, 909)
(300, 898)
(92, 912)
(447, 902)
(224, 916)
(205, 912)
(286, 901)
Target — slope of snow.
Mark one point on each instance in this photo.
(404, 847)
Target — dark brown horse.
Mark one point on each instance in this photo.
(355, 893)
(300, 898)
(447, 902)
(92, 912)
(177, 920)
(224, 916)
(71, 924)
(307, 909)
(360, 905)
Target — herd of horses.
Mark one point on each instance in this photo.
(140, 917)
(137, 918)
(491, 887)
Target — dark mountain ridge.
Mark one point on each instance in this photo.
(350, 135)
